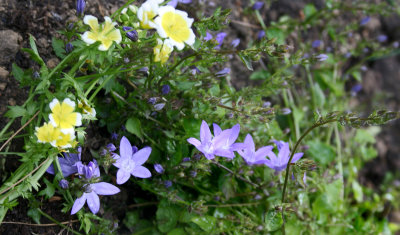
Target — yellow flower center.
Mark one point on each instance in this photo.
(175, 27)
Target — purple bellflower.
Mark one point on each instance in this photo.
(258, 5)
(365, 20)
(235, 42)
(223, 72)
(130, 163)
(221, 144)
(165, 89)
(80, 6)
(260, 34)
(130, 33)
(382, 38)
(208, 37)
(220, 39)
(67, 163)
(322, 57)
(251, 156)
(279, 163)
(174, 3)
(316, 43)
(91, 172)
(228, 145)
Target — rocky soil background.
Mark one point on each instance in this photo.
(42, 19)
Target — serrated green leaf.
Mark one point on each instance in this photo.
(273, 220)
(134, 126)
(15, 111)
(58, 47)
(17, 72)
(34, 214)
(207, 223)
(49, 190)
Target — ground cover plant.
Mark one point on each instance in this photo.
(182, 150)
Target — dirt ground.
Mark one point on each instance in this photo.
(42, 19)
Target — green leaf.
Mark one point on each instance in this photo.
(321, 152)
(309, 10)
(277, 34)
(166, 216)
(177, 231)
(134, 126)
(246, 61)
(207, 223)
(34, 214)
(17, 72)
(260, 75)
(58, 46)
(357, 190)
(49, 190)
(15, 111)
(273, 220)
(192, 127)
(364, 137)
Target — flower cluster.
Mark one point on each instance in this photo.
(59, 131)
(223, 144)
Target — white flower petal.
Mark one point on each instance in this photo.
(86, 38)
(69, 102)
(53, 103)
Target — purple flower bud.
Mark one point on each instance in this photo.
(158, 168)
(126, 60)
(329, 49)
(305, 179)
(208, 37)
(193, 173)
(257, 197)
(347, 55)
(127, 28)
(350, 35)
(260, 34)
(80, 7)
(235, 42)
(364, 68)
(266, 104)
(134, 149)
(63, 184)
(396, 44)
(364, 20)
(110, 147)
(365, 49)
(322, 57)
(223, 72)
(114, 136)
(174, 3)
(70, 26)
(355, 89)
(152, 100)
(144, 70)
(382, 38)
(220, 39)
(159, 106)
(123, 128)
(316, 43)
(306, 56)
(168, 183)
(69, 47)
(197, 156)
(186, 159)
(286, 111)
(194, 70)
(36, 74)
(258, 5)
(165, 89)
(132, 35)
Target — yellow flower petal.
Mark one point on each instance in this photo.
(47, 133)
(63, 115)
(105, 33)
(92, 22)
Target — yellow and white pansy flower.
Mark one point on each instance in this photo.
(146, 13)
(63, 115)
(105, 33)
(162, 51)
(86, 109)
(53, 135)
(176, 26)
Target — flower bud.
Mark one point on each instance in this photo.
(63, 184)
(158, 168)
(165, 89)
(80, 7)
(69, 48)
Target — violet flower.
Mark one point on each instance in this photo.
(250, 155)
(91, 172)
(130, 163)
(174, 3)
(258, 5)
(220, 39)
(158, 168)
(279, 163)
(223, 72)
(322, 57)
(382, 38)
(63, 183)
(69, 48)
(228, 146)
(221, 144)
(208, 37)
(235, 42)
(114, 136)
(165, 89)
(316, 43)
(67, 163)
(260, 34)
(365, 20)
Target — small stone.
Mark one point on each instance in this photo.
(12, 102)
(3, 73)
(9, 45)
(3, 86)
(52, 63)
(42, 42)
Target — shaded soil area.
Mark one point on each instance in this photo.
(42, 19)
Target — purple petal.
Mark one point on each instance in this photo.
(205, 133)
(217, 129)
(263, 152)
(122, 176)
(208, 37)
(93, 202)
(103, 188)
(141, 172)
(220, 37)
(141, 156)
(125, 148)
(272, 157)
(194, 141)
(296, 157)
(173, 3)
(209, 156)
(235, 42)
(234, 134)
(224, 153)
(78, 204)
(238, 146)
(50, 170)
(221, 140)
(248, 141)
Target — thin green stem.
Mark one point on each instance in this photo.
(102, 85)
(174, 67)
(340, 161)
(58, 223)
(233, 173)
